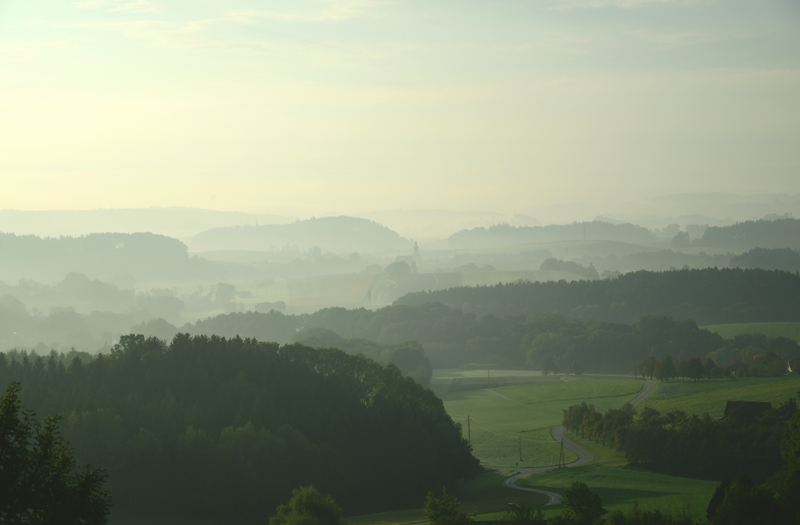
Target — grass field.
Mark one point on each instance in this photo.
(620, 486)
(588, 389)
(510, 423)
(699, 397)
(729, 331)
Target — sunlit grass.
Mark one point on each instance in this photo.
(699, 397)
(501, 424)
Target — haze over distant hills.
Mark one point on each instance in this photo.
(713, 209)
(334, 234)
(439, 224)
(173, 221)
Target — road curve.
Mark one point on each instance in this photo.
(558, 433)
(648, 388)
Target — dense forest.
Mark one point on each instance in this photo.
(708, 296)
(226, 428)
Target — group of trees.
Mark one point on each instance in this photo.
(677, 443)
(207, 426)
(755, 362)
(692, 445)
(570, 267)
(592, 424)
(708, 296)
(739, 446)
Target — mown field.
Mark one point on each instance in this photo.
(509, 426)
(699, 397)
(729, 331)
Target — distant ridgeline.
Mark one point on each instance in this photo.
(708, 296)
(505, 235)
(453, 338)
(335, 234)
(101, 255)
(225, 429)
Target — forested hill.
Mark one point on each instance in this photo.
(451, 338)
(330, 234)
(708, 296)
(505, 235)
(225, 429)
(742, 236)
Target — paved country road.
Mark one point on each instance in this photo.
(554, 498)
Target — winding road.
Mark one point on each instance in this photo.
(554, 498)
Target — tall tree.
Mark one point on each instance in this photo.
(694, 368)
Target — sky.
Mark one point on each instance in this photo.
(345, 106)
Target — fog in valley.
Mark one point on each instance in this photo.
(355, 262)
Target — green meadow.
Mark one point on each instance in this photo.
(504, 418)
(621, 487)
(699, 397)
(510, 426)
(729, 331)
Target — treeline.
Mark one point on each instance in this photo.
(764, 233)
(226, 428)
(452, 338)
(570, 267)
(689, 445)
(708, 296)
(750, 361)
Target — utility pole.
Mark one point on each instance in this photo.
(520, 448)
(469, 432)
(561, 461)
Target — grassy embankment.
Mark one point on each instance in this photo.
(729, 331)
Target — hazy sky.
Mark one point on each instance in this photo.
(357, 105)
